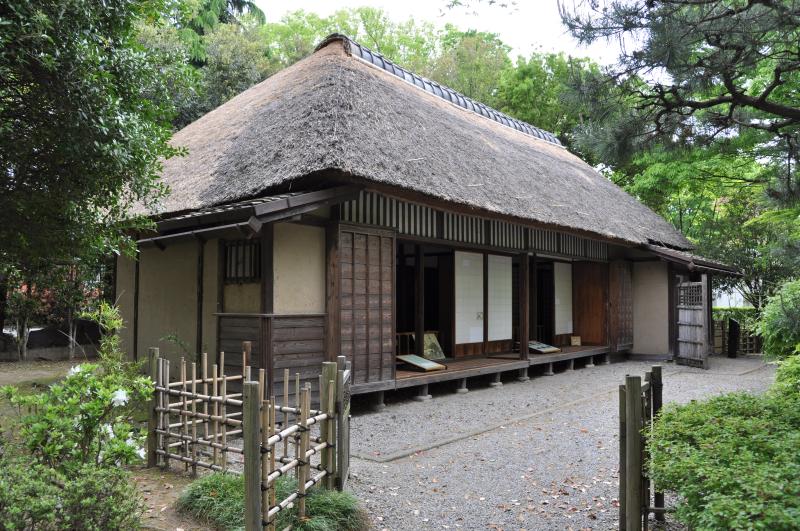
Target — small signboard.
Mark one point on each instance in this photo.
(542, 348)
(421, 363)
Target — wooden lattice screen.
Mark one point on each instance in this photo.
(691, 313)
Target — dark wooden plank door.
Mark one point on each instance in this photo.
(367, 261)
(589, 302)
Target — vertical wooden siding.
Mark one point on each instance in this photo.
(620, 287)
(297, 343)
(367, 260)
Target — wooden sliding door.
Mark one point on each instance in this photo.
(366, 269)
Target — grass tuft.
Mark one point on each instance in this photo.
(218, 499)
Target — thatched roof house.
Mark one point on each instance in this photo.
(380, 207)
(368, 119)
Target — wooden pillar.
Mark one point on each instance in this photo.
(332, 290)
(485, 304)
(549, 370)
(462, 386)
(267, 278)
(622, 456)
(533, 331)
(201, 246)
(590, 362)
(419, 301)
(496, 381)
(136, 307)
(523, 375)
(672, 314)
(707, 345)
(524, 305)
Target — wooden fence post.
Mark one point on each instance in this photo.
(633, 453)
(152, 418)
(251, 426)
(658, 388)
(302, 467)
(327, 398)
(622, 457)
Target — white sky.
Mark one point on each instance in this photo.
(533, 25)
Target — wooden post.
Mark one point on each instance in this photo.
(571, 365)
(152, 418)
(285, 413)
(215, 412)
(251, 426)
(204, 376)
(327, 397)
(590, 362)
(183, 417)
(706, 298)
(194, 419)
(523, 375)
(462, 386)
(302, 468)
(496, 381)
(247, 356)
(622, 457)
(332, 289)
(633, 453)
(165, 418)
(524, 306)
(419, 302)
(549, 370)
(658, 389)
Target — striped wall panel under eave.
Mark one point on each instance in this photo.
(418, 220)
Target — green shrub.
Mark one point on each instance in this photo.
(779, 325)
(34, 496)
(747, 317)
(219, 500)
(89, 416)
(733, 460)
(787, 377)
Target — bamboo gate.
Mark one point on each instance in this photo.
(639, 403)
(200, 420)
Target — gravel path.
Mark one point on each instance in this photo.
(535, 455)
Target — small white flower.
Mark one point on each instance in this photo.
(74, 370)
(107, 430)
(141, 453)
(119, 398)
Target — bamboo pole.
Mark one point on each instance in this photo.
(215, 410)
(194, 420)
(302, 469)
(252, 455)
(658, 389)
(204, 376)
(266, 422)
(247, 349)
(298, 403)
(183, 417)
(273, 448)
(327, 404)
(224, 411)
(285, 413)
(153, 414)
(165, 438)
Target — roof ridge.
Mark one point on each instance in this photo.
(437, 89)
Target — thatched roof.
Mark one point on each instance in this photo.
(337, 111)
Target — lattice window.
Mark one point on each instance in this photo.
(242, 261)
(690, 294)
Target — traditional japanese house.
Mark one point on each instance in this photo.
(346, 206)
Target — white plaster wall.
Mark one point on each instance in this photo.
(650, 308)
(299, 269)
(500, 299)
(469, 297)
(562, 274)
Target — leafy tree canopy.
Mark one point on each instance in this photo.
(84, 120)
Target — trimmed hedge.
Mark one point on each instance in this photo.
(780, 322)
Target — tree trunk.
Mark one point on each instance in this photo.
(72, 331)
(3, 300)
(23, 333)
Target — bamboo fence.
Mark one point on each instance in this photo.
(195, 420)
